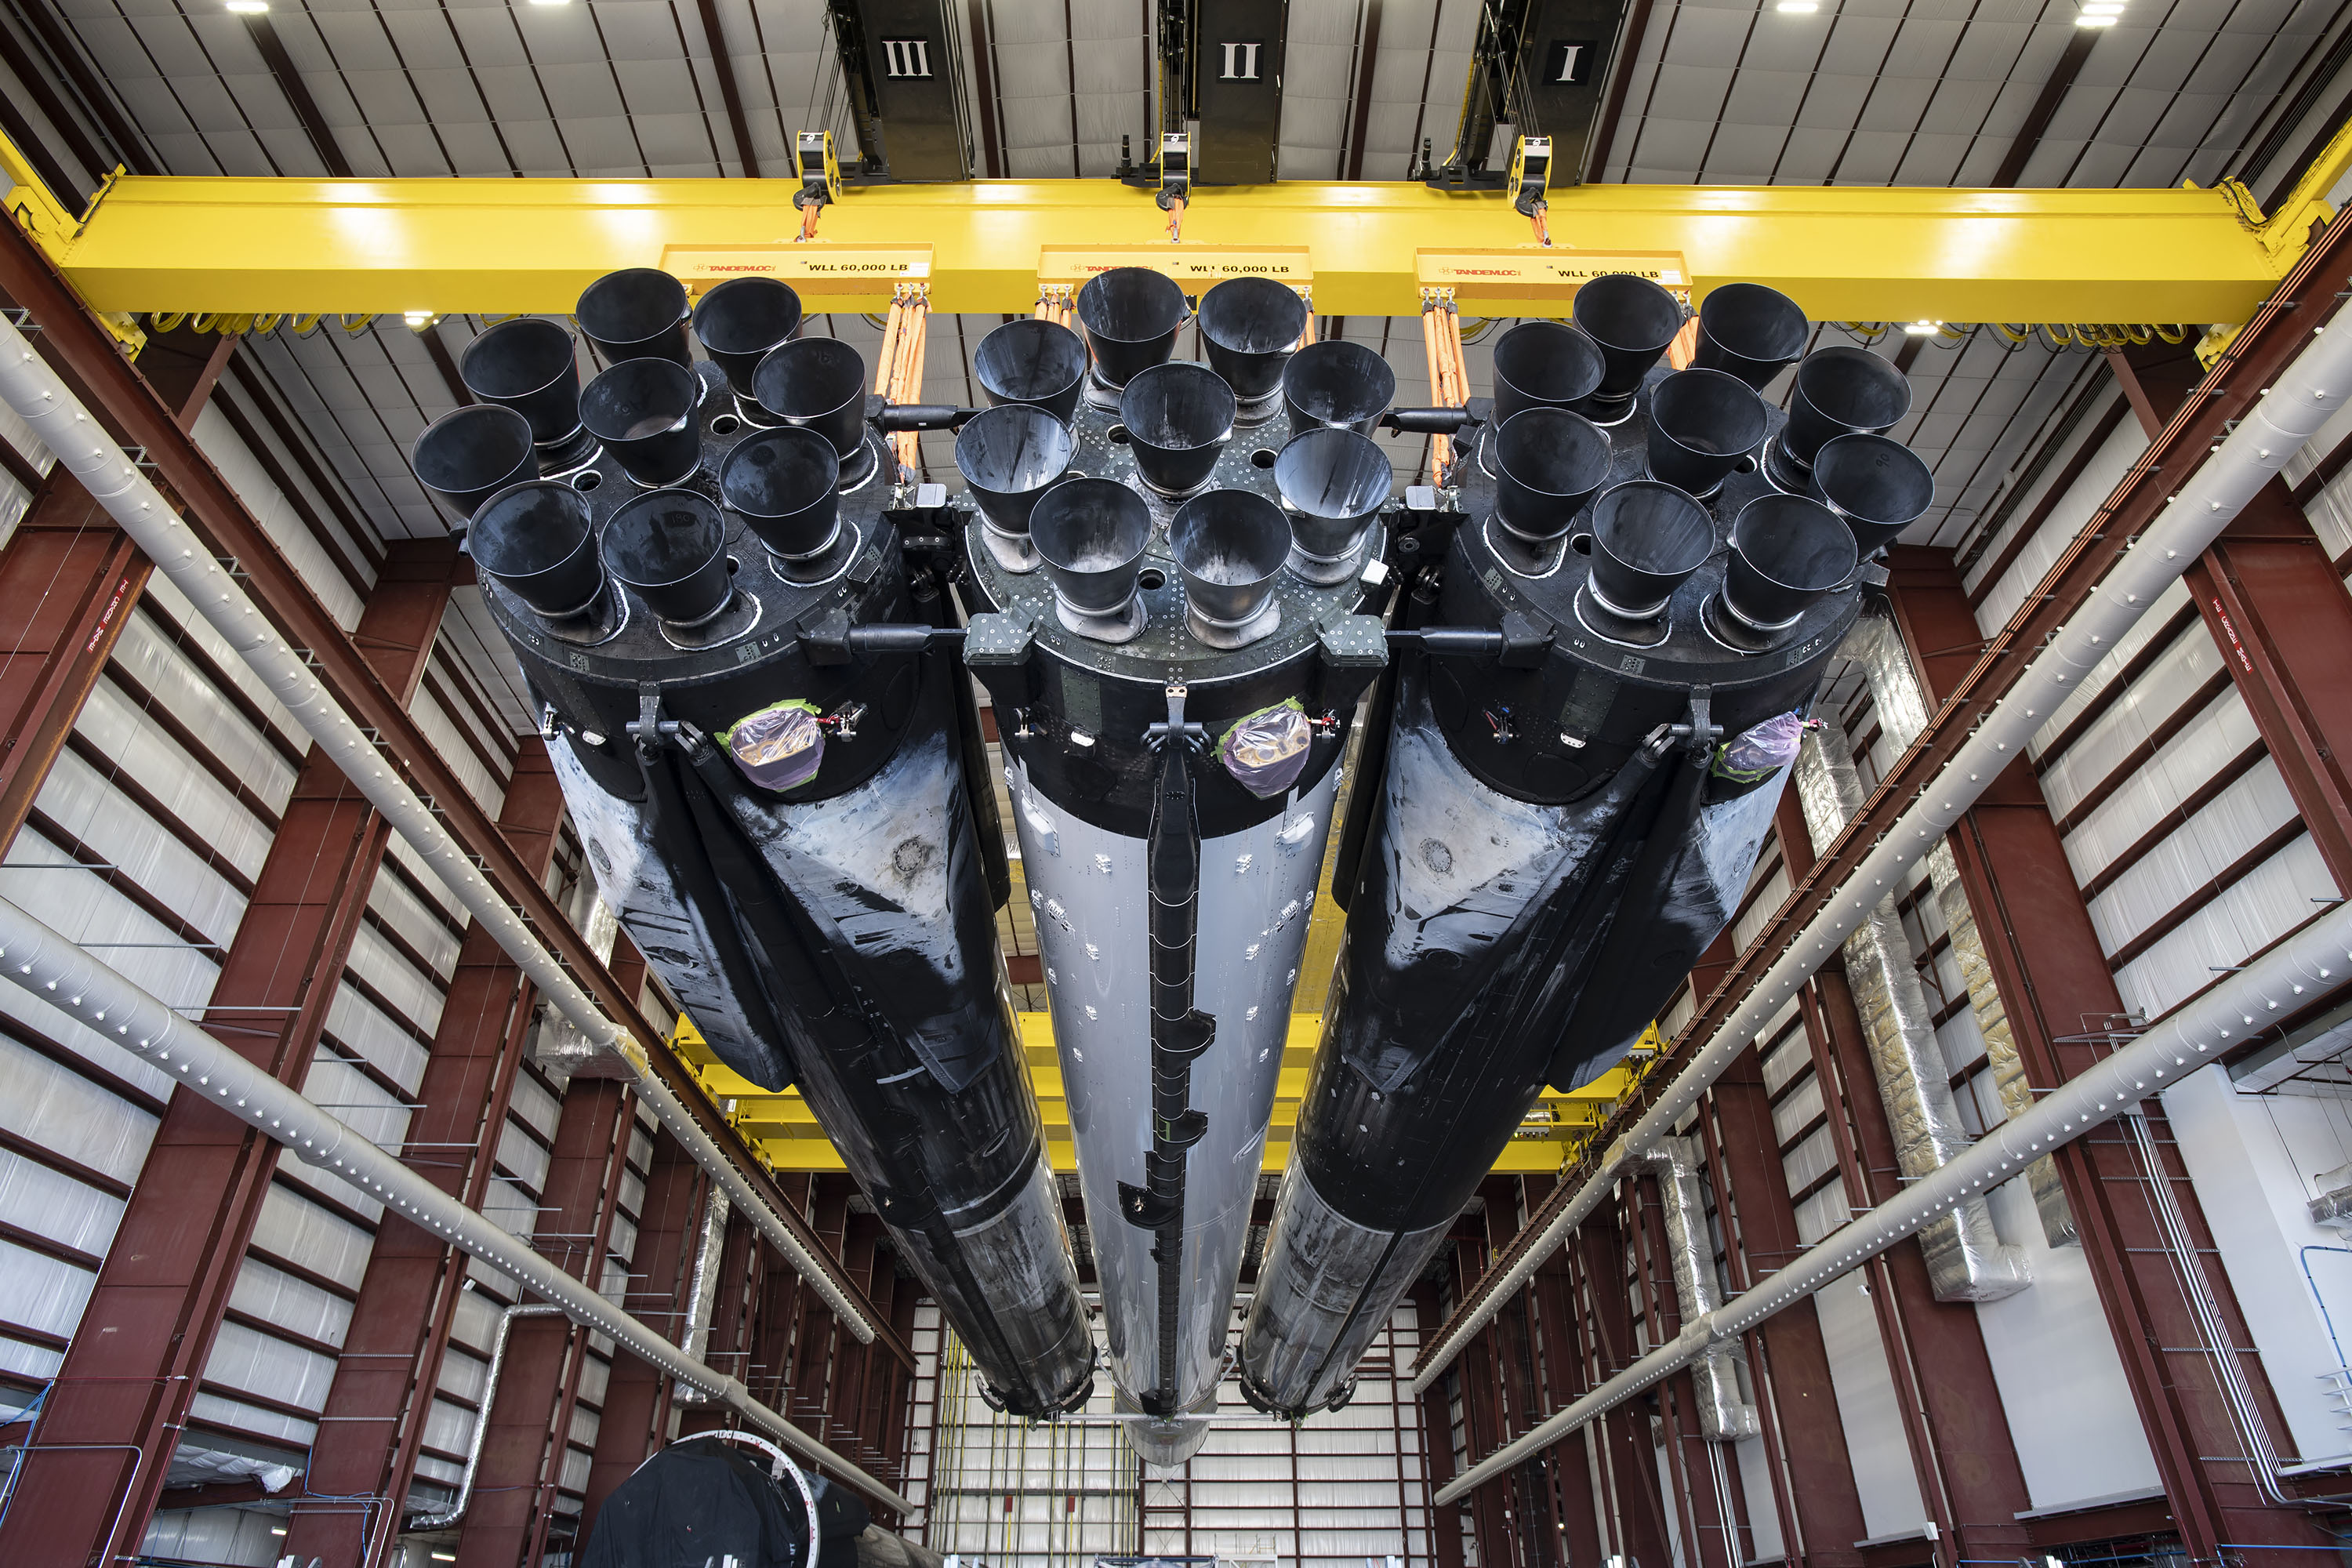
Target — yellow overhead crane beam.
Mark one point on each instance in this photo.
(299, 247)
(784, 1131)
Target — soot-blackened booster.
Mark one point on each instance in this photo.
(783, 816)
(1583, 755)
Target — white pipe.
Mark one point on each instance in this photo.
(2299, 970)
(2302, 398)
(43, 963)
(84, 449)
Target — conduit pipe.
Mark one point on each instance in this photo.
(2300, 399)
(53, 970)
(84, 449)
(2298, 970)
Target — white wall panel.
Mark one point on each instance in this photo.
(1874, 1440)
(64, 1113)
(2128, 722)
(2258, 909)
(2090, 491)
(283, 524)
(40, 1292)
(2062, 1389)
(55, 1206)
(308, 1236)
(2181, 867)
(184, 877)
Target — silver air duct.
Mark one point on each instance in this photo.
(1724, 1415)
(1967, 1260)
(1902, 704)
(1174, 701)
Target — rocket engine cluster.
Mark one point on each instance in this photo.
(1582, 659)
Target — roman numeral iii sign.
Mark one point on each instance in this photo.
(905, 59)
(1570, 62)
(1241, 62)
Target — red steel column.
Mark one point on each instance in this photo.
(1437, 1445)
(1598, 1254)
(393, 1352)
(635, 1411)
(2053, 977)
(68, 580)
(135, 1364)
(1804, 1436)
(510, 1499)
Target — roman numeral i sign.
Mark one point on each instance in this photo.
(1241, 62)
(1569, 62)
(906, 60)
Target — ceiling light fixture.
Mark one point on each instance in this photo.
(419, 320)
(249, 7)
(1798, 7)
(1923, 329)
(2095, 15)
(551, 2)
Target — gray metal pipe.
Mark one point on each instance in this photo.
(45, 963)
(85, 450)
(2300, 400)
(1724, 1415)
(465, 1498)
(2301, 969)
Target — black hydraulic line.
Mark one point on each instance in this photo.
(938, 608)
(1179, 1032)
(1413, 607)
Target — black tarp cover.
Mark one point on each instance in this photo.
(700, 1503)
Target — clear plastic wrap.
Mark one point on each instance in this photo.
(1760, 751)
(778, 747)
(1267, 751)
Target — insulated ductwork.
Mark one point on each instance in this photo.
(1173, 694)
(1725, 1413)
(1967, 1260)
(702, 1285)
(1597, 697)
(765, 761)
(1877, 646)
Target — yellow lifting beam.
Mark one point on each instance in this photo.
(296, 247)
(784, 1131)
